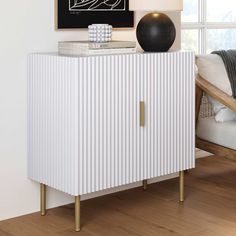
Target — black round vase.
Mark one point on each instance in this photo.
(156, 32)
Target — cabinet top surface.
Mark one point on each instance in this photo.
(55, 54)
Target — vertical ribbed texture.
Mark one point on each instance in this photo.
(170, 96)
(53, 121)
(83, 119)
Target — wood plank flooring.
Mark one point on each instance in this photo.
(209, 209)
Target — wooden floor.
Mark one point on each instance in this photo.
(209, 209)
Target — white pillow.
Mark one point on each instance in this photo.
(225, 115)
(212, 68)
(222, 113)
(216, 106)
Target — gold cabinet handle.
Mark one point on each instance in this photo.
(142, 113)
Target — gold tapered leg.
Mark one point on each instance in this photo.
(145, 184)
(181, 186)
(77, 213)
(43, 199)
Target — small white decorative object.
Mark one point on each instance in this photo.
(100, 33)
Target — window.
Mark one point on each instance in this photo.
(209, 25)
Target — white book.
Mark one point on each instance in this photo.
(96, 45)
(88, 52)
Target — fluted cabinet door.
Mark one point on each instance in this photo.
(109, 133)
(169, 94)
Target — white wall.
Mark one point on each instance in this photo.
(26, 26)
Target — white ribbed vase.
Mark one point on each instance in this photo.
(100, 33)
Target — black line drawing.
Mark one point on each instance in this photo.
(97, 5)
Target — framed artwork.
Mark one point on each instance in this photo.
(73, 14)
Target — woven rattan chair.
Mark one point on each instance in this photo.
(204, 110)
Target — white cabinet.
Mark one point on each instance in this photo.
(85, 115)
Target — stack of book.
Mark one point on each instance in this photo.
(86, 48)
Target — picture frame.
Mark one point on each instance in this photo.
(79, 14)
